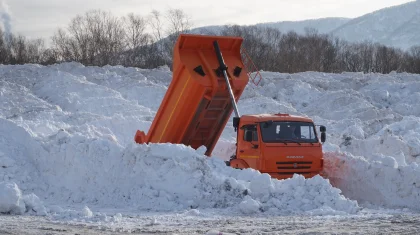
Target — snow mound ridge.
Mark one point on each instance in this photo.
(97, 171)
(167, 176)
(381, 182)
(66, 134)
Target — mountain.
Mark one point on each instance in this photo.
(397, 26)
(408, 34)
(324, 25)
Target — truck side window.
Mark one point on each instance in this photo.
(253, 129)
(307, 132)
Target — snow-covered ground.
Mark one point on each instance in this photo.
(67, 151)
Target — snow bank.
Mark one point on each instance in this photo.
(177, 177)
(380, 182)
(66, 135)
(13, 202)
(373, 130)
(11, 199)
(166, 177)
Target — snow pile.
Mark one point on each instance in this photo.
(380, 182)
(373, 131)
(66, 135)
(13, 202)
(11, 199)
(207, 183)
(76, 146)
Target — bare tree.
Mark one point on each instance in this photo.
(329, 58)
(137, 39)
(288, 55)
(107, 33)
(413, 60)
(156, 23)
(135, 34)
(18, 49)
(95, 38)
(272, 39)
(98, 38)
(178, 22)
(63, 47)
(3, 48)
(367, 55)
(387, 59)
(49, 56)
(35, 50)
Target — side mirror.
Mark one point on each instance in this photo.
(236, 122)
(323, 137)
(248, 136)
(322, 129)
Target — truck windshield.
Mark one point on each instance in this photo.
(278, 132)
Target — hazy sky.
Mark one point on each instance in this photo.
(41, 18)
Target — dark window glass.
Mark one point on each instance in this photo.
(253, 129)
(303, 132)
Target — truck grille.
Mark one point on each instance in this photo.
(293, 165)
(291, 173)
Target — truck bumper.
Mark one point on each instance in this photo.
(286, 175)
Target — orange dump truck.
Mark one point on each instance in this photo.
(209, 77)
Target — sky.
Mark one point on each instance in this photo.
(42, 18)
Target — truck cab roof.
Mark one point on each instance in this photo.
(274, 117)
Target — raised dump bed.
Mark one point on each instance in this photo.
(197, 105)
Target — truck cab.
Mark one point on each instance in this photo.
(278, 144)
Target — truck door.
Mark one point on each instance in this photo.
(248, 146)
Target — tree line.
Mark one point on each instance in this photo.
(98, 38)
(289, 52)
